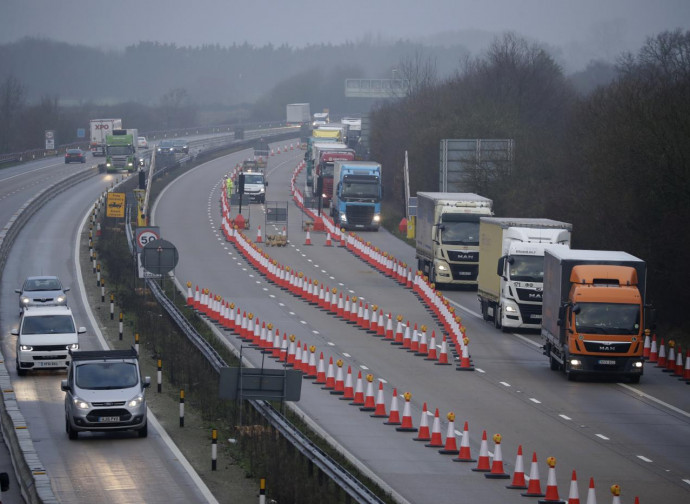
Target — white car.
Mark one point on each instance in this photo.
(142, 143)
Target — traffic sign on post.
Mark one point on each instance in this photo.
(145, 235)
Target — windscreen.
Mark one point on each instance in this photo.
(250, 178)
(106, 375)
(607, 318)
(41, 285)
(119, 150)
(524, 268)
(459, 229)
(360, 188)
(327, 169)
(48, 324)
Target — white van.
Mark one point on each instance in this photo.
(45, 336)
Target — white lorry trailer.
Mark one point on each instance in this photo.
(298, 113)
(99, 129)
(447, 236)
(511, 268)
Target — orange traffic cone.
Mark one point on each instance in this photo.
(321, 372)
(451, 447)
(348, 392)
(653, 352)
(465, 362)
(534, 486)
(399, 333)
(661, 362)
(647, 347)
(308, 240)
(591, 495)
(339, 388)
(369, 401)
(389, 328)
(258, 235)
(394, 417)
(443, 357)
(380, 411)
(423, 433)
(381, 329)
(497, 471)
(406, 424)
(359, 392)
(573, 495)
(311, 367)
(432, 355)
(465, 454)
(328, 240)
(483, 461)
(330, 376)
(436, 440)
(519, 474)
(551, 484)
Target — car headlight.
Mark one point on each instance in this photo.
(26, 348)
(377, 218)
(60, 299)
(262, 189)
(25, 300)
(137, 401)
(81, 404)
(73, 346)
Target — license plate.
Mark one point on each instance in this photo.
(48, 363)
(607, 362)
(109, 419)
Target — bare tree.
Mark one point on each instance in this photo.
(12, 100)
(419, 70)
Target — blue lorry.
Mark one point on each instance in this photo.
(357, 195)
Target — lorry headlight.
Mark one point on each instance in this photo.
(377, 218)
(442, 267)
(638, 364)
(262, 189)
(108, 164)
(510, 309)
(136, 401)
(73, 346)
(80, 404)
(26, 348)
(575, 363)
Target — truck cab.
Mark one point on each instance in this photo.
(120, 151)
(357, 195)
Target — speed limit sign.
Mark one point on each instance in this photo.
(145, 235)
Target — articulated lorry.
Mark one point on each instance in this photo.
(298, 113)
(317, 136)
(594, 316)
(325, 155)
(99, 129)
(120, 151)
(447, 236)
(511, 268)
(357, 196)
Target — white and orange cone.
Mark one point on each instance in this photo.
(394, 416)
(423, 434)
(451, 447)
(443, 357)
(369, 400)
(330, 376)
(258, 235)
(483, 460)
(534, 486)
(349, 392)
(465, 454)
(497, 471)
(359, 392)
(339, 388)
(380, 411)
(432, 354)
(321, 371)
(573, 495)
(436, 439)
(518, 482)
(310, 373)
(551, 484)
(591, 494)
(307, 241)
(406, 424)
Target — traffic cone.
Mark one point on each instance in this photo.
(346, 309)
(359, 392)
(423, 349)
(678, 369)
(661, 362)
(519, 474)
(308, 240)
(190, 295)
(339, 388)
(534, 486)
(380, 411)
(497, 471)
(369, 401)
(311, 368)
(616, 492)
(348, 393)
(407, 337)
(399, 333)
(450, 447)
(671, 359)
(416, 338)
(275, 351)
(321, 371)
(423, 433)
(381, 329)
(432, 354)
(591, 495)
(436, 440)
(258, 235)
(298, 357)
(465, 362)
(443, 357)
(394, 417)
(551, 484)
(573, 495)
(483, 461)
(406, 424)
(389, 328)
(465, 454)
(290, 360)
(282, 357)
(686, 370)
(330, 376)
(653, 352)
(328, 240)
(647, 347)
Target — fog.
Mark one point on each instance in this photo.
(582, 29)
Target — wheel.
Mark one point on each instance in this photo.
(497, 317)
(432, 276)
(20, 371)
(553, 364)
(71, 433)
(485, 309)
(144, 431)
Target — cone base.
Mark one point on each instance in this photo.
(497, 475)
(434, 445)
(459, 368)
(344, 398)
(379, 416)
(477, 469)
(551, 501)
(464, 460)
(528, 494)
(307, 377)
(392, 423)
(396, 343)
(337, 392)
(517, 487)
(356, 404)
(442, 364)
(367, 408)
(406, 429)
(422, 439)
(449, 452)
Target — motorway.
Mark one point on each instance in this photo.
(635, 436)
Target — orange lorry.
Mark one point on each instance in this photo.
(593, 316)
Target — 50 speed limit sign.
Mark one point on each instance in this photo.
(145, 235)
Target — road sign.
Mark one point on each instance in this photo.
(159, 257)
(146, 234)
(81, 132)
(116, 205)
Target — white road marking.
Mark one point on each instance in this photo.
(658, 401)
(565, 417)
(646, 460)
(536, 401)
(504, 384)
(602, 437)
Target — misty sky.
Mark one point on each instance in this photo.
(118, 23)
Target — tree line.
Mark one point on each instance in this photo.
(613, 162)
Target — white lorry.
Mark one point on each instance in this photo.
(511, 268)
(447, 236)
(298, 113)
(99, 128)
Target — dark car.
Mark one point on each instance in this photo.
(165, 148)
(181, 146)
(75, 156)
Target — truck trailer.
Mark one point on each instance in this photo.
(99, 129)
(447, 236)
(357, 195)
(325, 154)
(511, 268)
(594, 316)
(298, 113)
